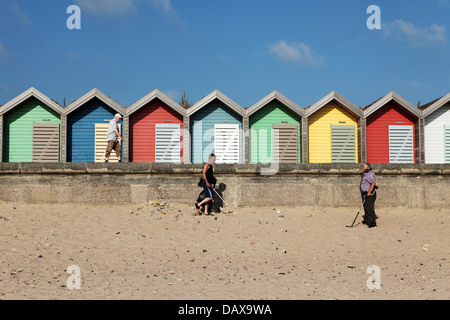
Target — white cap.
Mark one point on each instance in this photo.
(118, 115)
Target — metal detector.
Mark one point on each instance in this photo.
(375, 187)
(219, 196)
(357, 213)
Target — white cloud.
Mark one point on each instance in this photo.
(297, 52)
(108, 7)
(405, 31)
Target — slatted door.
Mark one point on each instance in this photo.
(226, 143)
(45, 142)
(285, 143)
(101, 131)
(447, 143)
(401, 144)
(343, 144)
(168, 142)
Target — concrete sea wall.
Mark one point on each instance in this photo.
(331, 185)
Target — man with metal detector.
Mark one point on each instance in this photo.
(368, 190)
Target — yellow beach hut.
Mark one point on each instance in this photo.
(333, 130)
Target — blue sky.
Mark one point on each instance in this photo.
(245, 49)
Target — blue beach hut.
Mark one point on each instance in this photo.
(87, 122)
(216, 126)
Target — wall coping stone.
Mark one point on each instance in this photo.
(8, 168)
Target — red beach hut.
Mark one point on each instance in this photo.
(156, 129)
(392, 129)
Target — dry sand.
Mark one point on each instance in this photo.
(138, 252)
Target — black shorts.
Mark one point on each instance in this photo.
(208, 190)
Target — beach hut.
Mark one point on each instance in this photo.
(333, 126)
(87, 123)
(275, 130)
(436, 115)
(392, 127)
(31, 128)
(156, 129)
(215, 126)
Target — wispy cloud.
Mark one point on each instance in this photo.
(20, 14)
(163, 5)
(72, 57)
(119, 7)
(297, 52)
(107, 7)
(167, 9)
(13, 13)
(442, 3)
(3, 52)
(173, 94)
(407, 32)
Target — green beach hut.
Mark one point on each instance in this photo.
(275, 130)
(30, 128)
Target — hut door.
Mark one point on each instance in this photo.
(401, 144)
(285, 143)
(226, 143)
(447, 143)
(343, 144)
(168, 142)
(101, 130)
(45, 142)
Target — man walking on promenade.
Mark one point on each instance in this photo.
(112, 138)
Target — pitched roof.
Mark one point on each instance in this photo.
(275, 95)
(94, 93)
(333, 96)
(31, 92)
(216, 94)
(368, 106)
(156, 94)
(432, 106)
(374, 106)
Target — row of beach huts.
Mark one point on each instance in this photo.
(35, 128)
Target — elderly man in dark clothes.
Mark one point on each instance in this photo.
(368, 192)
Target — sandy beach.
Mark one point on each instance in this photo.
(165, 251)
